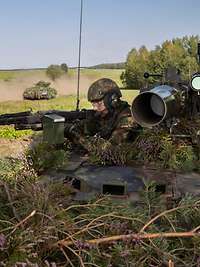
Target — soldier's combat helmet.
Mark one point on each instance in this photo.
(106, 90)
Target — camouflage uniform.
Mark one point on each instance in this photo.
(116, 126)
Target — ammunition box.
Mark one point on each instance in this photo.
(53, 129)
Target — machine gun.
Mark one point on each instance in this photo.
(167, 102)
(52, 122)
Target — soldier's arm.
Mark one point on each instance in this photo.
(79, 132)
(124, 131)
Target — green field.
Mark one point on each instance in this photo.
(67, 102)
(12, 74)
(62, 102)
(100, 73)
(7, 75)
(72, 73)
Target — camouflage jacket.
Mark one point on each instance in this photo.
(116, 127)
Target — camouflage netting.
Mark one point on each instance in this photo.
(104, 153)
(41, 90)
(153, 147)
(162, 150)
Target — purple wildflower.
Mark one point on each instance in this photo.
(2, 241)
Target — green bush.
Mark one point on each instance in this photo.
(13, 170)
(179, 53)
(64, 67)
(10, 133)
(45, 156)
(161, 150)
(41, 90)
(8, 168)
(54, 72)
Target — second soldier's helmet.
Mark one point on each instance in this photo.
(106, 90)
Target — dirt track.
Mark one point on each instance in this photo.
(13, 89)
(12, 148)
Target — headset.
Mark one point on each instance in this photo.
(111, 100)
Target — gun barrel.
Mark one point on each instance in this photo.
(28, 120)
(32, 119)
(150, 108)
(14, 115)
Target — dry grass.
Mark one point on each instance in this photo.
(41, 225)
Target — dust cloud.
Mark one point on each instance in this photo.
(13, 89)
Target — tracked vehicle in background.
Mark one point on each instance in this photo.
(41, 90)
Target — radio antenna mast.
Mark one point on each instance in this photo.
(79, 57)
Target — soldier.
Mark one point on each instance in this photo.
(112, 118)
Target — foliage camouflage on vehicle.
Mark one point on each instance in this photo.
(149, 148)
(41, 90)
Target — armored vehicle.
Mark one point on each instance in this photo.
(41, 90)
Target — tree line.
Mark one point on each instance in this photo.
(178, 52)
(56, 71)
(120, 65)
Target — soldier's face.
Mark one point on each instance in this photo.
(99, 106)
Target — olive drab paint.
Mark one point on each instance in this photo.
(53, 129)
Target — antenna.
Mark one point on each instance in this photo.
(79, 58)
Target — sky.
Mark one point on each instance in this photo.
(36, 33)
